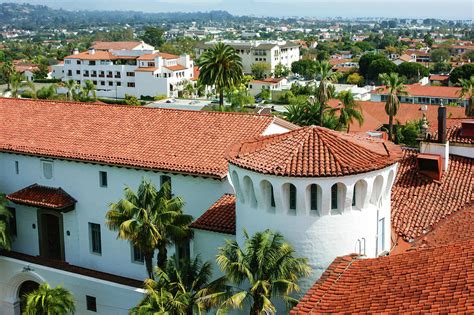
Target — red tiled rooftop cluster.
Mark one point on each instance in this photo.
(190, 142)
(419, 202)
(436, 280)
(313, 152)
(454, 132)
(43, 196)
(220, 217)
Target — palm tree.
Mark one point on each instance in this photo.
(266, 266)
(324, 91)
(221, 67)
(7, 69)
(5, 215)
(348, 111)
(394, 87)
(48, 301)
(184, 287)
(71, 86)
(150, 219)
(467, 90)
(88, 89)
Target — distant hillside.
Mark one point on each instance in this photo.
(28, 16)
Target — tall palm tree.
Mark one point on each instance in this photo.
(394, 88)
(264, 268)
(348, 111)
(221, 67)
(7, 69)
(88, 90)
(184, 287)
(71, 86)
(467, 90)
(48, 301)
(324, 91)
(150, 219)
(5, 215)
(17, 83)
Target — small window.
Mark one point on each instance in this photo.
(12, 221)
(47, 169)
(95, 241)
(272, 196)
(91, 303)
(314, 197)
(334, 203)
(17, 167)
(354, 196)
(183, 250)
(103, 179)
(381, 236)
(292, 200)
(137, 255)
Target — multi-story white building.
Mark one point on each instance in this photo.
(134, 68)
(270, 52)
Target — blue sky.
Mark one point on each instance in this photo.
(450, 9)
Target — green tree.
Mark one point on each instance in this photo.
(221, 67)
(184, 287)
(47, 92)
(16, 84)
(131, 100)
(348, 110)
(355, 78)
(463, 72)
(441, 67)
(265, 268)
(366, 60)
(153, 36)
(305, 68)
(394, 87)
(380, 66)
(72, 87)
(281, 70)
(324, 91)
(49, 301)
(42, 72)
(439, 55)
(7, 69)
(5, 216)
(150, 219)
(413, 71)
(467, 90)
(428, 40)
(409, 133)
(260, 69)
(88, 91)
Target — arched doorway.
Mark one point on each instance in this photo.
(24, 289)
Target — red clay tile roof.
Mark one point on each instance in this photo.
(176, 68)
(429, 281)
(405, 57)
(220, 217)
(148, 57)
(165, 55)
(98, 55)
(419, 202)
(43, 196)
(454, 132)
(115, 45)
(180, 141)
(313, 152)
(337, 61)
(146, 69)
(439, 77)
(375, 116)
(456, 227)
(428, 90)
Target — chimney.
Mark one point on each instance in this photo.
(91, 51)
(441, 123)
(75, 51)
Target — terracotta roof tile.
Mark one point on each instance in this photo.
(146, 69)
(454, 132)
(313, 152)
(181, 141)
(165, 55)
(427, 90)
(43, 196)
(220, 217)
(429, 281)
(419, 202)
(176, 68)
(115, 45)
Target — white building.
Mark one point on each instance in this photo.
(134, 68)
(270, 52)
(327, 192)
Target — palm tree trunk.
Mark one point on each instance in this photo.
(221, 98)
(390, 127)
(149, 264)
(255, 309)
(162, 255)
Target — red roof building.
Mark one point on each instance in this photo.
(220, 217)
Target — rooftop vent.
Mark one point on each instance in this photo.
(91, 51)
(430, 165)
(467, 128)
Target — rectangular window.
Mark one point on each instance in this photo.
(354, 197)
(47, 169)
(334, 194)
(130, 84)
(314, 197)
(103, 179)
(12, 221)
(17, 167)
(292, 200)
(91, 303)
(119, 83)
(272, 197)
(381, 236)
(78, 71)
(137, 255)
(95, 241)
(78, 62)
(130, 74)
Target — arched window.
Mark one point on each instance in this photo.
(268, 195)
(338, 195)
(250, 192)
(292, 197)
(238, 191)
(359, 194)
(334, 197)
(376, 190)
(389, 184)
(314, 197)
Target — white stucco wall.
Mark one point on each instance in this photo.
(321, 235)
(81, 181)
(111, 298)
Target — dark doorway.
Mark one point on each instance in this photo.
(26, 288)
(51, 235)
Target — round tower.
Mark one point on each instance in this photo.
(327, 192)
